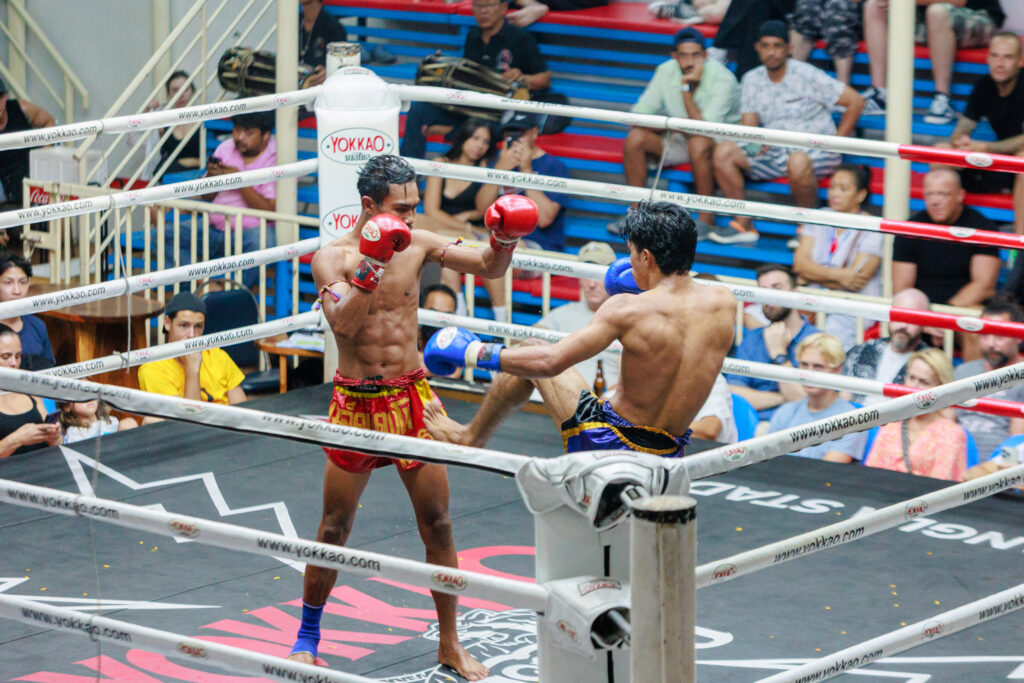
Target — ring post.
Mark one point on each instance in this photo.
(663, 614)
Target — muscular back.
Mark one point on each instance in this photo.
(674, 340)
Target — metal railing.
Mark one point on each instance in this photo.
(18, 22)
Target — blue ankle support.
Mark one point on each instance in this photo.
(309, 631)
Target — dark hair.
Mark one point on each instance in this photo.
(264, 120)
(1000, 304)
(665, 229)
(9, 259)
(772, 267)
(440, 287)
(381, 172)
(176, 74)
(465, 132)
(688, 35)
(861, 175)
(7, 329)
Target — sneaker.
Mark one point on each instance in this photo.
(616, 227)
(672, 9)
(731, 235)
(941, 111)
(381, 55)
(874, 103)
(703, 230)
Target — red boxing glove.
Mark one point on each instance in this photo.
(381, 238)
(510, 217)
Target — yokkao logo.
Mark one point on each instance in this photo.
(961, 233)
(925, 399)
(446, 336)
(932, 630)
(194, 650)
(915, 509)
(133, 122)
(192, 408)
(371, 232)
(183, 528)
(978, 160)
(356, 145)
(282, 100)
(339, 221)
(449, 580)
(723, 571)
(970, 324)
(599, 584)
(735, 453)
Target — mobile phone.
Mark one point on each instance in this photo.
(511, 138)
(53, 418)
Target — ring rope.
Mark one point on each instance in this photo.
(124, 360)
(160, 278)
(737, 207)
(125, 634)
(857, 385)
(938, 626)
(235, 537)
(834, 143)
(254, 421)
(37, 137)
(149, 195)
(856, 528)
(733, 456)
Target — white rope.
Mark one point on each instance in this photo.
(260, 422)
(160, 278)
(246, 540)
(233, 659)
(215, 340)
(149, 195)
(726, 458)
(37, 137)
(921, 632)
(856, 528)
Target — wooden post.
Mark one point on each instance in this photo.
(663, 612)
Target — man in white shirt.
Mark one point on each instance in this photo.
(715, 421)
(574, 316)
(885, 360)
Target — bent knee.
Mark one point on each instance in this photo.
(799, 165)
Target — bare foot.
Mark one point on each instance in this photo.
(302, 658)
(529, 14)
(443, 428)
(464, 663)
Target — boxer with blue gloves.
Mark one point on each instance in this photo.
(369, 282)
(674, 335)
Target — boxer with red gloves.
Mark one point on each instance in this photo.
(369, 281)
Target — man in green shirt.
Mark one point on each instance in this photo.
(688, 86)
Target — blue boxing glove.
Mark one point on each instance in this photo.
(454, 347)
(619, 278)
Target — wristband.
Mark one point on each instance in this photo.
(503, 245)
(367, 275)
(483, 355)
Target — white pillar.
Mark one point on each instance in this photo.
(286, 119)
(663, 599)
(160, 28)
(899, 117)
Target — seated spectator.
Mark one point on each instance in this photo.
(318, 29)
(23, 425)
(188, 157)
(955, 274)
(928, 445)
(885, 360)
(534, 10)
(81, 420)
(738, 32)
(714, 421)
(842, 259)
(577, 314)
(521, 154)
(821, 353)
(35, 352)
(440, 298)
(251, 147)
(690, 11)
(17, 115)
(945, 26)
(208, 375)
(999, 97)
(783, 94)
(687, 86)
(996, 352)
(495, 43)
(450, 205)
(776, 343)
(837, 22)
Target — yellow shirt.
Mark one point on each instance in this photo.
(217, 376)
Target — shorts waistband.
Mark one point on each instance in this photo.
(378, 382)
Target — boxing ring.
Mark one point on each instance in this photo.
(273, 441)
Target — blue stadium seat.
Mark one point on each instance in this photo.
(745, 417)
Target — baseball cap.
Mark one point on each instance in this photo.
(520, 120)
(596, 252)
(185, 301)
(688, 35)
(773, 28)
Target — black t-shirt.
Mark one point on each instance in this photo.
(14, 162)
(942, 268)
(313, 45)
(1006, 114)
(511, 47)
